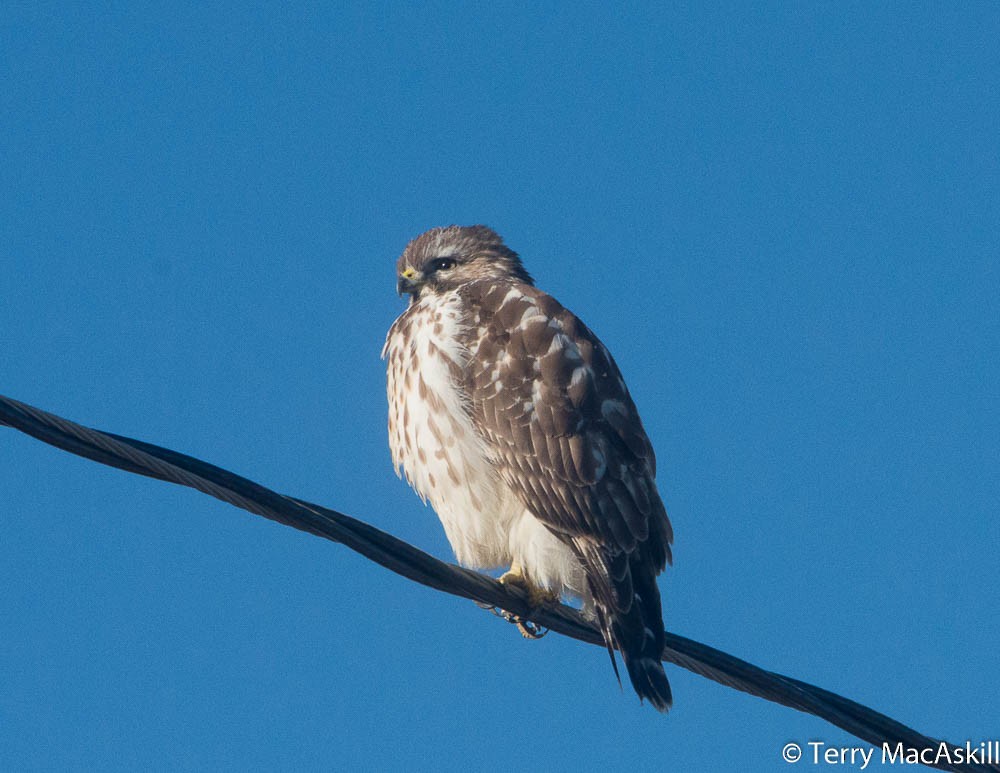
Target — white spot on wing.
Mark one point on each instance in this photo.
(512, 295)
(601, 463)
(610, 407)
(530, 315)
(561, 342)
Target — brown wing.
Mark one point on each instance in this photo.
(568, 440)
(552, 402)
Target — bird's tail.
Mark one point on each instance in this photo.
(633, 624)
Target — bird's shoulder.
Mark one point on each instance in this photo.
(537, 371)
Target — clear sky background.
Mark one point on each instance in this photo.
(783, 221)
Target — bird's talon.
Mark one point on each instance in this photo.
(515, 578)
(537, 598)
(542, 597)
(528, 629)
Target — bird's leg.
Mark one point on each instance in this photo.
(538, 597)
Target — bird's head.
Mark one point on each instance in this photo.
(444, 259)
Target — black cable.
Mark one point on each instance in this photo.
(153, 461)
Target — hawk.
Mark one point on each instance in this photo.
(510, 416)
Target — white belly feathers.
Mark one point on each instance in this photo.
(434, 442)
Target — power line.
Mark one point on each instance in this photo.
(154, 461)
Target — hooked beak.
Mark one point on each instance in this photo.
(408, 281)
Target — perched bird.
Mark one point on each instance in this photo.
(510, 416)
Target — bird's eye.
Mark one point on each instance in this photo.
(442, 264)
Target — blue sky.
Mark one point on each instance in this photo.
(783, 221)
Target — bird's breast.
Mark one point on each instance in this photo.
(432, 436)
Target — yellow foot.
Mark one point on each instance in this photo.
(538, 597)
